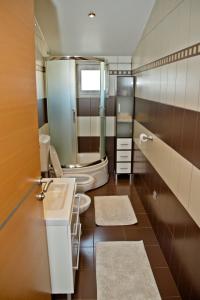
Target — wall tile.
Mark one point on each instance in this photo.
(83, 126)
(110, 126)
(184, 182)
(40, 83)
(193, 84)
(163, 84)
(194, 203)
(171, 83)
(112, 85)
(94, 126)
(123, 66)
(181, 71)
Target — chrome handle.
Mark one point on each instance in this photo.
(74, 115)
(40, 196)
(148, 138)
(78, 251)
(123, 156)
(74, 233)
(119, 108)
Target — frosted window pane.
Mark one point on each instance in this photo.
(90, 80)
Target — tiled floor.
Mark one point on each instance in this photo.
(86, 280)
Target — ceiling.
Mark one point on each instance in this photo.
(115, 30)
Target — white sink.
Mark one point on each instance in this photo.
(58, 200)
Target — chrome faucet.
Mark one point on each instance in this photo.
(46, 186)
(41, 195)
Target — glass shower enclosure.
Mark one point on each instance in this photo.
(62, 108)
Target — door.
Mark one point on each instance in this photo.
(102, 110)
(61, 99)
(24, 270)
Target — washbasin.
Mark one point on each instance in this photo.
(58, 200)
(56, 196)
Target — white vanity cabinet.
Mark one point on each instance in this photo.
(63, 235)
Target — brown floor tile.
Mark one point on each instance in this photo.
(85, 285)
(143, 220)
(165, 282)
(115, 233)
(86, 260)
(155, 255)
(87, 238)
(86, 277)
(141, 233)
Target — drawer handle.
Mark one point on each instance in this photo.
(124, 144)
(123, 156)
(78, 251)
(74, 233)
(123, 168)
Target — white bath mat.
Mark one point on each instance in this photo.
(114, 211)
(123, 272)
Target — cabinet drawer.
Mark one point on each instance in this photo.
(123, 144)
(123, 168)
(123, 155)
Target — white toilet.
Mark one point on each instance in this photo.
(84, 182)
(85, 202)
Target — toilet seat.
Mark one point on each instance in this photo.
(85, 202)
(84, 182)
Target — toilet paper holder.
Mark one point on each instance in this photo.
(144, 137)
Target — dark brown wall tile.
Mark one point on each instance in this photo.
(83, 106)
(110, 106)
(188, 134)
(110, 152)
(177, 233)
(88, 144)
(87, 107)
(178, 127)
(94, 106)
(196, 150)
(42, 112)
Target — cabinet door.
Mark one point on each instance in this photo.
(123, 156)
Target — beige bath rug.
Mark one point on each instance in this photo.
(123, 272)
(114, 211)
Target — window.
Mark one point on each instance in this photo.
(90, 80)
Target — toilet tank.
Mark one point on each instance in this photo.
(44, 141)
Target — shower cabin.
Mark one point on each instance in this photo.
(67, 79)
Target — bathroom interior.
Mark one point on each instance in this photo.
(100, 147)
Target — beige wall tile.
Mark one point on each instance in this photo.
(184, 182)
(110, 126)
(181, 72)
(95, 126)
(163, 84)
(40, 84)
(171, 83)
(83, 126)
(193, 83)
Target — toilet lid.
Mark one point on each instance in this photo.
(55, 162)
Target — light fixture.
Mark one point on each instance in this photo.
(91, 14)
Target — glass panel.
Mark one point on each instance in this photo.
(61, 97)
(102, 111)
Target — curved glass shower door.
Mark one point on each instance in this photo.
(61, 102)
(102, 110)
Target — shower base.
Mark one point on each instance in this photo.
(98, 169)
